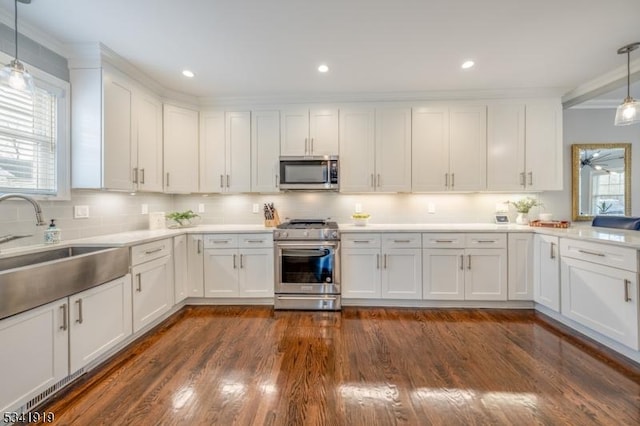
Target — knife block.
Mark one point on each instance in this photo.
(272, 223)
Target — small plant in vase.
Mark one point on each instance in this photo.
(181, 219)
(522, 207)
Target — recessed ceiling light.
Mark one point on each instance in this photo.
(467, 64)
(323, 68)
(188, 73)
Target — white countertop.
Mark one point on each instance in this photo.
(618, 237)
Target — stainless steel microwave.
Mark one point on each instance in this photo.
(316, 173)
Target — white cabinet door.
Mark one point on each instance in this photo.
(602, 298)
(430, 146)
(546, 278)
(357, 150)
(238, 152)
(265, 151)
(520, 267)
(402, 274)
(505, 147)
(443, 274)
(180, 273)
(468, 148)
(212, 151)
(256, 277)
(323, 131)
(485, 274)
(99, 319)
(295, 132)
(152, 291)
(221, 273)
(117, 131)
(148, 148)
(360, 273)
(544, 146)
(180, 149)
(393, 150)
(34, 353)
(195, 269)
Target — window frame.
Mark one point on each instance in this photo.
(61, 89)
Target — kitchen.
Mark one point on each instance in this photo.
(114, 212)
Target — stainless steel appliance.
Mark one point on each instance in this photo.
(307, 265)
(309, 173)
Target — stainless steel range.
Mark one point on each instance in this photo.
(307, 265)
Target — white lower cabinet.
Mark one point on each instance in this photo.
(464, 266)
(152, 273)
(520, 266)
(180, 271)
(387, 266)
(99, 319)
(546, 276)
(244, 268)
(34, 353)
(195, 269)
(598, 296)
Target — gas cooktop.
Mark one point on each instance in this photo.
(308, 224)
(307, 229)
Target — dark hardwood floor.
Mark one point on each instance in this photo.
(249, 365)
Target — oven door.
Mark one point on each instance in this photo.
(308, 267)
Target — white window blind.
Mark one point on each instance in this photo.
(28, 138)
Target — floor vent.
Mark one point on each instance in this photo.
(38, 399)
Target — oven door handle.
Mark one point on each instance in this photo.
(307, 252)
(299, 245)
(310, 297)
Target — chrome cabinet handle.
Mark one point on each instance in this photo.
(135, 175)
(462, 262)
(228, 180)
(469, 261)
(530, 174)
(142, 178)
(139, 286)
(256, 241)
(627, 298)
(486, 241)
(154, 251)
(385, 261)
(234, 262)
(444, 241)
(241, 265)
(277, 182)
(79, 302)
(552, 254)
(401, 241)
(221, 241)
(453, 180)
(199, 246)
(361, 241)
(167, 179)
(377, 261)
(593, 253)
(64, 317)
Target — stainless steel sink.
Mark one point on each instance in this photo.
(34, 279)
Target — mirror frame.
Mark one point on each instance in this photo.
(575, 176)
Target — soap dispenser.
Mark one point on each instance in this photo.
(52, 234)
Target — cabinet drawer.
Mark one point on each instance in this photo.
(401, 240)
(255, 240)
(443, 240)
(488, 240)
(149, 251)
(221, 241)
(602, 254)
(360, 240)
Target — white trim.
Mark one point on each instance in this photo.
(32, 32)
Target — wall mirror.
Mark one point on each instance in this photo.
(601, 180)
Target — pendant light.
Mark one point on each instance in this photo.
(629, 111)
(14, 74)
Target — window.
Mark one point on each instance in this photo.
(608, 193)
(33, 139)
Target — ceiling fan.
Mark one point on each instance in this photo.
(598, 161)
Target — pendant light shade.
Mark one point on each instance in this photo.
(14, 74)
(629, 111)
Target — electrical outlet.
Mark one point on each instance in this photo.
(80, 212)
(256, 208)
(358, 208)
(144, 209)
(431, 208)
(201, 208)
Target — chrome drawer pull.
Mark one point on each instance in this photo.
(255, 241)
(361, 241)
(221, 241)
(486, 241)
(64, 317)
(79, 320)
(154, 251)
(401, 241)
(593, 253)
(552, 255)
(444, 241)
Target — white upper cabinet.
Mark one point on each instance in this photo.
(393, 150)
(265, 150)
(309, 132)
(147, 151)
(225, 152)
(357, 150)
(180, 149)
(524, 146)
(449, 148)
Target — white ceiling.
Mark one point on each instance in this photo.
(268, 47)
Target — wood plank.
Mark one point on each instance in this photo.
(371, 366)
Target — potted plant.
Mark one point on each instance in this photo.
(522, 207)
(181, 219)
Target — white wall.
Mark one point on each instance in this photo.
(593, 126)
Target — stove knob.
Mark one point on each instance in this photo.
(306, 233)
(334, 234)
(281, 235)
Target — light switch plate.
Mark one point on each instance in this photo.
(431, 208)
(358, 208)
(80, 212)
(256, 208)
(144, 209)
(201, 208)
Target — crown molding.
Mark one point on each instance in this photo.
(34, 33)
